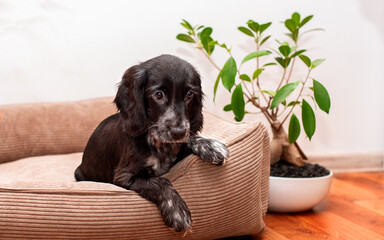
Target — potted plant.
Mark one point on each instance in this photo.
(249, 91)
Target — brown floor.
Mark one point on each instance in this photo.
(354, 209)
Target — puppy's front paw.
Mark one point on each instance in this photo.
(210, 150)
(176, 214)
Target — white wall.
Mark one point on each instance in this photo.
(70, 50)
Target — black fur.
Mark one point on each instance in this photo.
(160, 114)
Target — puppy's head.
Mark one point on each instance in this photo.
(162, 96)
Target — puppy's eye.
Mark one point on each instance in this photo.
(189, 95)
(159, 95)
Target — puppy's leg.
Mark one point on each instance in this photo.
(79, 176)
(210, 150)
(160, 191)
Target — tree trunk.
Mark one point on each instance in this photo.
(281, 149)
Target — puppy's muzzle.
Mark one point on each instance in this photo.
(178, 133)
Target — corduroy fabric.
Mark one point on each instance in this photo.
(49, 128)
(40, 199)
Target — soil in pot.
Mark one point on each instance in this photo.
(309, 170)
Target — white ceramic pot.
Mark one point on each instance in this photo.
(297, 194)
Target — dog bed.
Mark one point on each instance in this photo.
(41, 145)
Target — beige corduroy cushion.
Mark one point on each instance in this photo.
(49, 128)
(39, 197)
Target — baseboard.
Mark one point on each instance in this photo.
(362, 162)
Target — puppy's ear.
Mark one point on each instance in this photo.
(197, 106)
(130, 100)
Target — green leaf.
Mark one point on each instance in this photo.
(297, 53)
(289, 35)
(255, 55)
(305, 20)
(264, 40)
(269, 64)
(284, 62)
(187, 25)
(294, 129)
(305, 60)
(213, 43)
(206, 32)
(308, 118)
(295, 35)
(283, 93)
(237, 103)
(296, 18)
(279, 60)
(224, 46)
(253, 25)
(216, 85)
(228, 73)
(246, 31)
(317, 62)
(245, 77)
(205, 37)
(272, 93)
(285, 50)
(257, 73)
(227, 108)
(209, 48)
(264, 27)
(293, 103)
(185, 38)
(200, 27)
(291, 25)
(321, 96)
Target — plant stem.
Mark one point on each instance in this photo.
(297, 99)
(257, 67)
(277, 89)
(246, 88)
(282, 80)
(255, 113)
(199, 46)
(290, 70)
(210, 59)
(263, 110)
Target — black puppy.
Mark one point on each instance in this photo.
(160, 114)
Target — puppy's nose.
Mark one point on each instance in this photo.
(178, 133)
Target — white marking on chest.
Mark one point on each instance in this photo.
(153, 162)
